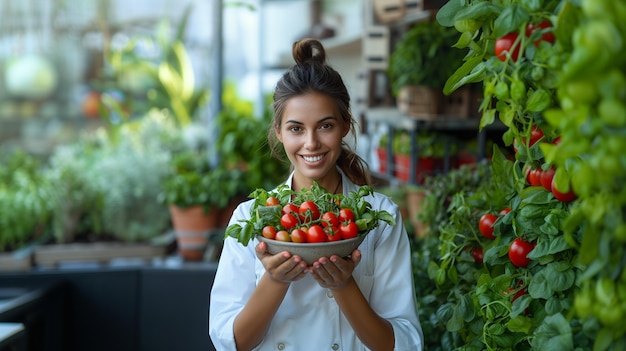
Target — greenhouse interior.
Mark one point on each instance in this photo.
(153, 149)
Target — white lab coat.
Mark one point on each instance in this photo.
(309, 318)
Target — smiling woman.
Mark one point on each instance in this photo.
(262, 298)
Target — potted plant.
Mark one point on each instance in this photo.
(419, 65)
(432, 149)
(196, 193)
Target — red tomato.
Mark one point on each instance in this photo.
(289, 221)
(504, 211)
(283, 235)
(485, 225)
(298, 236)
(549, 36)
(330, 219)
(316, 234)
(504, 45)
(269, 232)
(556, 140)
(518, 251)
(346, 215)
(534, 177)
(309, 211)
(546, 178)
(477, 254)
(563, 197)
(535, 135)
(272, 201)
(290, 208)
(332, 233)
(349, 230)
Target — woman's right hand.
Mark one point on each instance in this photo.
(282, 267)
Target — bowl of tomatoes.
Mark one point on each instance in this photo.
(311, 252)
(310, 223)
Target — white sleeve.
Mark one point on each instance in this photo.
(393, 293)
(235, 280)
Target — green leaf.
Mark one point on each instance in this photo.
(510, 20)
(554, 333)
(520, 324)
(538, 101)
(445, 15)
(454, 81)
(478, 11)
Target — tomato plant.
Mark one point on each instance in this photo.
(534, 177)
(477, 254)
(485, 225)
(518, 252)
(546, 178)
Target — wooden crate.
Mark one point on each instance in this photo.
(376, 47)
(420, 102)
(55, 254)
(388, 11)
(462, 103)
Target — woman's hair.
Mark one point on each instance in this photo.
(312, 74)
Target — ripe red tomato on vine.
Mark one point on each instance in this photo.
(518, 251)
(506, 44)
(548, 36)
(485, 225)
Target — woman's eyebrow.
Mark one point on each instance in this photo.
(318, 122)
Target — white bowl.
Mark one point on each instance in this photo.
(311, 252)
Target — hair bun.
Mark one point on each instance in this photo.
(307, 50)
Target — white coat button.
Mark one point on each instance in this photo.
(329, 294)
(335, 347)
(281, 346)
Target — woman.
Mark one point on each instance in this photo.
(261, 301)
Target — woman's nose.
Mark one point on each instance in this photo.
(312, 141)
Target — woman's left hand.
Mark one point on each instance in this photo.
(334, 272)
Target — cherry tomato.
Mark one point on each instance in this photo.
(298, 236)
(485, 225)
(346, 215)
(349, 230)
(504, 45)
(288, 221)
(563, 197)
(534, 177)
(535, 135)
(309, 211)
(546, 178)
(332, 233)
(269, 231)
(330, 219)
(282, 235)
(290, 208)
(504, 211)
(549, 36)
(557, 140)
(477, 254)
(518, 251)
(316, 234)
(272, 201)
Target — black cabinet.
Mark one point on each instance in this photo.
(141, 308)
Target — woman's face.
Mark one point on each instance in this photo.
(311, 132)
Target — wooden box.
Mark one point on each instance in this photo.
(376, 47)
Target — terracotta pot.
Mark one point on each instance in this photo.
(382, 159)
(192, 226)
(425, 166)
